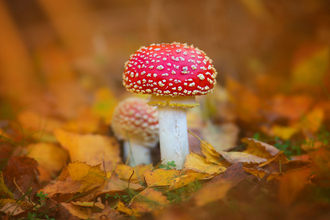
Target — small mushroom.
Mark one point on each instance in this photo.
(135, 122)
(173, 74)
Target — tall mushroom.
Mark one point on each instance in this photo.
(135, 122)
(173, 74)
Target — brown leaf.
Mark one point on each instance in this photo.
(77, 211)
(233, 174)
(115, 184)
(12, 208)
(23, 170)
(62, 187)
(4, 191)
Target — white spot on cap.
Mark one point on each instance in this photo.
(201, 76)
(160, 67)
(155, 74)
(161, 84)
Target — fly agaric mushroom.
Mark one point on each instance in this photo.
(173, 74)
(134, 118)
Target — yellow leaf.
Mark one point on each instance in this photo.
(104, 104)
(312, 121)
(259, 148)
(149, 200)
(160, 177)
(89, 204)
(211, 192)
(240, 157)
(125, 172)
(4, 191)
(114, 184)
(199, 164)
(260, 173)
(310, 69)
(90, 176)
(49, 156)
(131, 212)
(187, 178)
(90, 148)
(284, 132)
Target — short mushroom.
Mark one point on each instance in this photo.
(173, 74)
(135, 122)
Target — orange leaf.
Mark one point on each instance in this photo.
(125, 172)
(187, 178)
(259, 148)
(291, 184)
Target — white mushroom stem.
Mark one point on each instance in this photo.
(137, 153)
(173, 135)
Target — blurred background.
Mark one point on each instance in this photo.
(56, 55)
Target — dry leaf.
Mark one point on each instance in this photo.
(291, 184)
(49, 156)
(149, 200)
(12, 209)
(62, 187)
(125, 172)
(97, 204)
(160, 177)
(89, 176)
(90, 148)
(211, 193)
(131, 212)
(187, 178)
(261, 173)
(4, 191)
(199, 164)
(240, 157)
(77, 211)
(221, 137)
(115, 185)
(259, 148)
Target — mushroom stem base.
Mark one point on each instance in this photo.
(173, 135)
(139, 154)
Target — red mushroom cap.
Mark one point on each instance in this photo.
(169, 70)
(135, 117)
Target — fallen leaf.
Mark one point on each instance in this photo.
(49, 156)
(62, 187)
(312, 121)
(188, 178)
(114, 185)
(233, 174)
(149, 200)
(221, 137)
(125, 172)
(97, 204)
(199, 164)
(259, 148)
(261, 173)
(131, 212)
(4, 191)
(160, 177)
(240, 157)
(90, 148)
(291, 184)
(77, 211)
(283, 132)
(90, 176)
(12, 209)
(23, 170)
(321, 166)
(211, 193)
